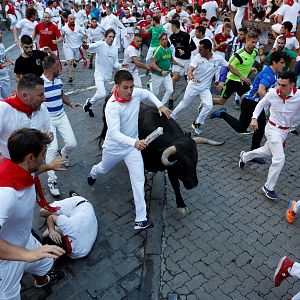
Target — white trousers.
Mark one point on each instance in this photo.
(134, 162)
(61, 124)
(273, 147)
(102, 87)
(150, 52)
(218, 70)
(295, 272)
(12, 20)
(190, 94)
(157, 81)
(5, 90)
(239, 16)
(137, 80)
(11, 272)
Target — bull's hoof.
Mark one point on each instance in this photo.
(183, 211)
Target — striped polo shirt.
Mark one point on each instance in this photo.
(53, 100)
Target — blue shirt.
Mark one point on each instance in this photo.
(267, 77)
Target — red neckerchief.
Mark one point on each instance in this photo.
(294, 90)
(118, 99)
(94, 26)
(118, 12)
(134, 45)
(71, 27)
(290, 2)
(178, 12)
(68, 244)
(15, 102)
(288, 35)
(30, 20)
(14, 176)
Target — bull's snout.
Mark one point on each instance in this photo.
(190, 184)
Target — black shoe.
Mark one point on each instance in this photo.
(74, 65)
(53, 277)
(241, 162)
(70, 80)
(171, 104)
(258, 160)
(73, 194)
(91, 181)
(270, 194)
(294, 131)
(91, 113)
(87, 105)
(90, 66)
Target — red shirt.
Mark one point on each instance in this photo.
(47, 34)
(149, 12)
(11, 10)
(145, 25)
(220, 38)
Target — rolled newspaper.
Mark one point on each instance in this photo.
(154, 135)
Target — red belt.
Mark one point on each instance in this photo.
(280, 127)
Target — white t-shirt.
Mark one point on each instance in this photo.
(289, 13)
(130, 52)
(73, 38)
(79, 223)
(16, 214)
(183, 15)
(209, 33)
(12, 119)
(128, 23)
(205, 70)
(4, 71)
(197, 41)
(26, 26)
(95, 34)
(211, 7)
(291, 43)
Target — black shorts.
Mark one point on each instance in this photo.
(232, 86)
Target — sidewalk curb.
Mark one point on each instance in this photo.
(150, 281)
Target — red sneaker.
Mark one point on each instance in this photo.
(282, 272)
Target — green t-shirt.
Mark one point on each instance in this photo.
(155, 31)
(243, 62)
(289, 53)
(163, 58)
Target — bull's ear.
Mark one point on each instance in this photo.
(188, 134)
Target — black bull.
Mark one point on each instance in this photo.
(174, 151)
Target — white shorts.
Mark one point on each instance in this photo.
(276, 28)
(181, 70)
(71, 53)
(11, 272)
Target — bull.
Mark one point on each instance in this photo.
(174, 151)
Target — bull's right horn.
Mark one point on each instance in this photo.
(200, 140)
(165, 156)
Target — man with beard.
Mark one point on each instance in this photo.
(30, 61)
(106, 60)
(49, 33)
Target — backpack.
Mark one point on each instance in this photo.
(239, 3)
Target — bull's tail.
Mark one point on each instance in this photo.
(102, 135)
(200, 140)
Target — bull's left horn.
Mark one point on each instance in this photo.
(165, 156)
(200, 140)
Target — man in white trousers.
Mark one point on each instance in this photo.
(285, 269)
(54, 101)
(201, 72)
(122, 142)
(284, 105)
(132, 61)
(106, 60)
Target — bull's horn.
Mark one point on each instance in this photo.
(165, 156)
(200, 140)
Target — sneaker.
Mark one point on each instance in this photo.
(53, 277)
(241, 162)
(248, 131)
(282, 270)
(269, 194)
(171, 104)
(143, 225)
(237, 104)
(87, 105)
(218, 113)
(90, 66)
(294, 131)
(200, 107)
(74, 65)
(149, 83)
(67, 161)
(258, 160)
(290, 213)
(53, 189)
(70, 80)
(91, 113)
(91, 181)
(73, 194)
(197, 128)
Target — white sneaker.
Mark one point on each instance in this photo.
(53, 189)
(197, 128)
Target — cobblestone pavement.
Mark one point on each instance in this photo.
(227, 247)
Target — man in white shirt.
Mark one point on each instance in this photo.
(55, 98)
(132, 61)
(74, 227)
(11, 14)
(178, 10)
(212, 8)
(129, 23)
(199, 35)
(106, 60)
(73, 37)
(284, 105)
(122, 142)
(201, 71)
